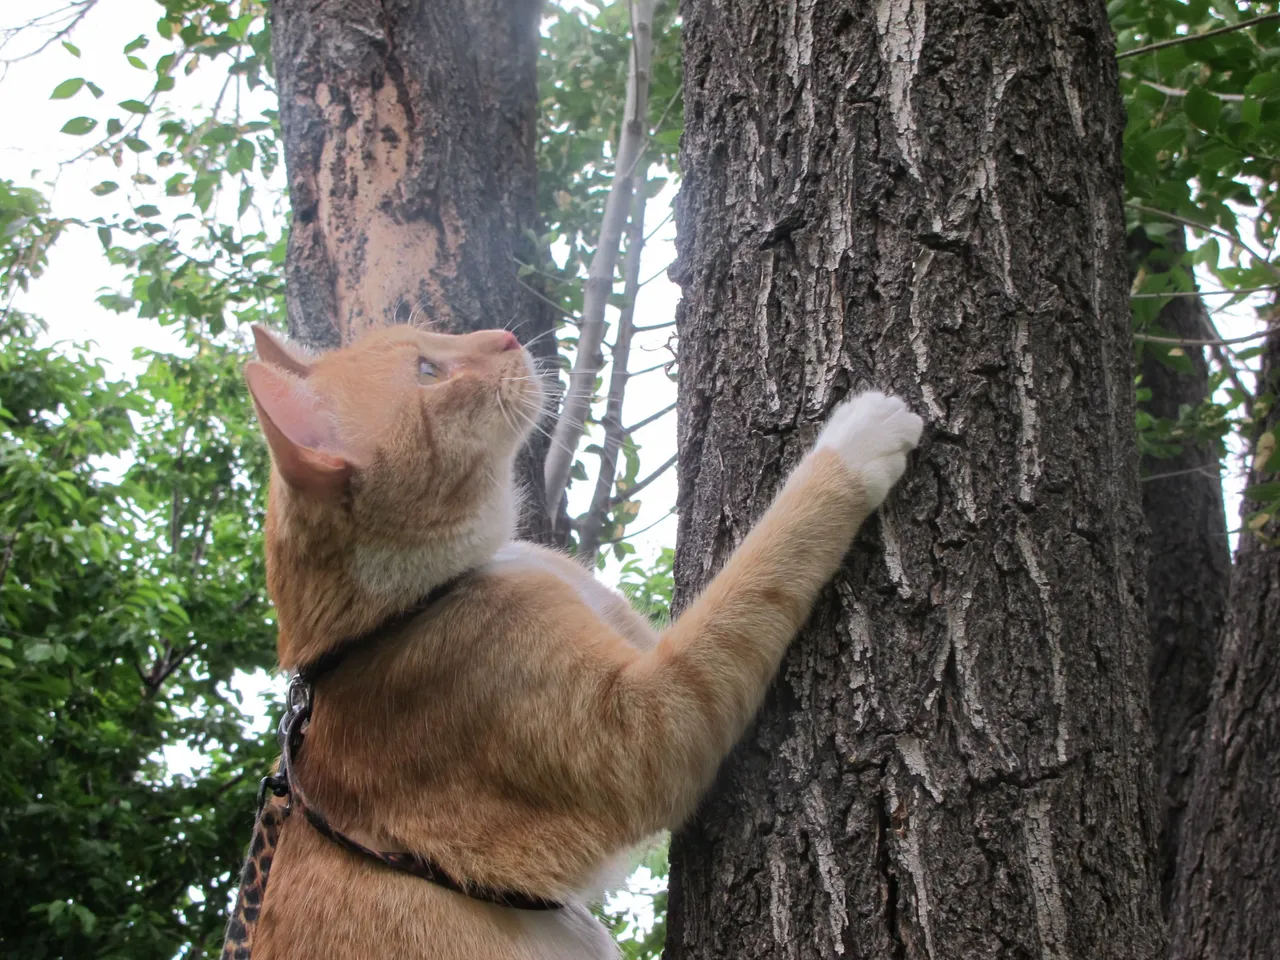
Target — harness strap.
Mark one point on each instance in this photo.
(280, 793)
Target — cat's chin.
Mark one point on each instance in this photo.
(398, 574)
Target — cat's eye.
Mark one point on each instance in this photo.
(427, 370)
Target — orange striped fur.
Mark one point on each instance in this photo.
(529, 729)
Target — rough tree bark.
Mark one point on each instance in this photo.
(408, 129)
(955, 762)
(1189, 575)
(1228, 881)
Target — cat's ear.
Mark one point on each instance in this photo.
(278, 353)
(299, 430)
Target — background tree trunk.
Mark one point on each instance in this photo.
(955, 760)
(409, 132)
(1228, 881)
(1189, 575)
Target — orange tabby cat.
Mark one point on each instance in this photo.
(529, 727)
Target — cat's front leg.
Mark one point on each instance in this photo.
(699, 688)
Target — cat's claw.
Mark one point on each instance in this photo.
(873, 433)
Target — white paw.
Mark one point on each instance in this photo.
(873, 433)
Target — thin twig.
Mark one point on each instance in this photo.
(1204, 293)
(1205, 228)
(1191, 37)
(1204, 469)
(636, 533)
(1182, 341)
(657, 366)
(1176, 92)
(571, 317)
(656, 326)
(650, 419)
(660, 273)
(631, 491)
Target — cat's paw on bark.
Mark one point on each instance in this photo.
(873, 433)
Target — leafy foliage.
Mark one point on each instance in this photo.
(126, 607)
(1200, 153)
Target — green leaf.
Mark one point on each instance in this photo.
(94, 89)
(105, 187)
(1263, 85)
(104, 235)
(114, 126)
(1263, 491)
(136, 44)
(134, 106)
(67, 89)
(1202, 108)
(147, 210)
(71, 48)
(79, 126)
(136, 145)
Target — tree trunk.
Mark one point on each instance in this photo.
(409, 130)
(955, 761)
(1228, 881)
(1189, 576)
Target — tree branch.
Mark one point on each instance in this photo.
(636, 533)
(589, 359)
(656, 326)
(1191, 37)
(1204, 293)
(649, 419)
(592, 525)
(1183, 342)
(1205, 228)
(630, 492)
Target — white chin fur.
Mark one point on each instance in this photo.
(401, 574)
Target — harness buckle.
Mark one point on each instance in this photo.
(276, 783)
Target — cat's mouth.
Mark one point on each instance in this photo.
(521, 394)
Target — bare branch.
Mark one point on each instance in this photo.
(68, 16)
(1221, 355)
(1204, 293)
(586, 365)
(1205, 228)
(631, 491)
(656, 326)
(593, 523)
(1176, 92)
(1183, 342)
(1204, 469)
(657, 366)
(1191, 37)
(572, 318)
(650, 419)
(636, 533)
(660, 273)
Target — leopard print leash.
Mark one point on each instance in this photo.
(280, 794)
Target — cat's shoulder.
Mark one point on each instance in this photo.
(519, 557)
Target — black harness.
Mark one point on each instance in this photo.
(280, 795)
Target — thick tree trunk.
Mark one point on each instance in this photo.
(1188, 579)
(955, 762)
(1228, 881)
(409, 132)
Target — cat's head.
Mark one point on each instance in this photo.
(399, 447)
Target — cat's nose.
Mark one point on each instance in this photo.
(495, 341)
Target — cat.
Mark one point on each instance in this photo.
(529, 727)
